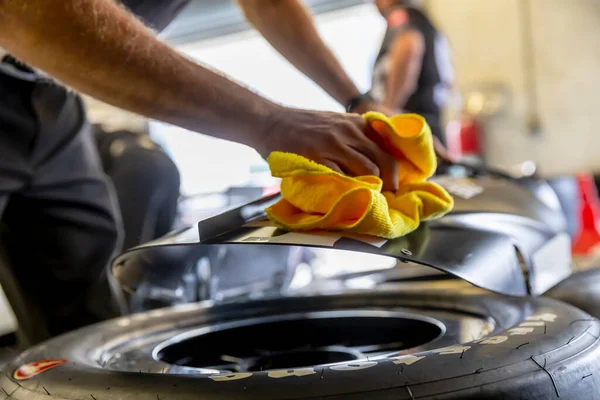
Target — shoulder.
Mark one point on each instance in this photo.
(410, 40)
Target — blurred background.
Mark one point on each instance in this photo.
(527, 73)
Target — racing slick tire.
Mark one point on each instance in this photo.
(439, 342)
(582, 290)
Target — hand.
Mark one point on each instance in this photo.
(335, 140)
(442, 152)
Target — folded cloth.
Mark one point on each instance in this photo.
(314, 197)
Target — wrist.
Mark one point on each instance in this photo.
(266, 137)
(356, 102)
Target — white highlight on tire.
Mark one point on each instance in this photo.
(356, 366)
(284, 373)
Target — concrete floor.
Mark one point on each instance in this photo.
(8, 322)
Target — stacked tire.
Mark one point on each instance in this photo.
(480, 346)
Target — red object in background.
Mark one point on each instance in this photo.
(463, 138)
(589, 209)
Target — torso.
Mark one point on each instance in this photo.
(436, 73)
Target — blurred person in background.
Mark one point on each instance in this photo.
(59, 217)
(146, 181)
(413, 71)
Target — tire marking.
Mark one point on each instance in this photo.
(451, 350)
(30, 370)
(493, 340)
(520, 331)
(412, 397)
(547, 317)
(549, 374)
(285, 373)
(230, 376)
(406, 360)
(355, 366)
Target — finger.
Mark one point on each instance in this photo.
(332, 165)
(354, 163)
(387, 165)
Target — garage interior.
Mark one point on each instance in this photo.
(521, 123)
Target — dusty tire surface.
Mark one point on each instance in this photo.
(521, 348)
(5, 356)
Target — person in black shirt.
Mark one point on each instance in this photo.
(413, 69)
(59, 219)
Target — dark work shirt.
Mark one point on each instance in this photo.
(433, 87)
(157, 14)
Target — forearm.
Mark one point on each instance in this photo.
(99, 49)
(406, 59)
(289, 28)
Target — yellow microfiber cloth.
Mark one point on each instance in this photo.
(316, 197)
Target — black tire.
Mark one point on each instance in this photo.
(582, 290)
(554, 352)
(5, 356)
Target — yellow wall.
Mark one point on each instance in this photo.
(487, 39)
